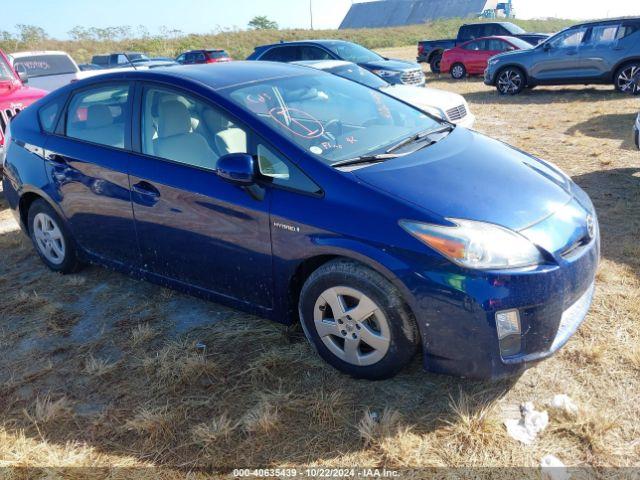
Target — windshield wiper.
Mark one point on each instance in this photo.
(381, 157)
(419, 136)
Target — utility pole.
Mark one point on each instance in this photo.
(311, 12)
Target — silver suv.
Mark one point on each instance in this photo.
(605, 51)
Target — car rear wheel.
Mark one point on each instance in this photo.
(357, 321)
(51, 238)
(458, 71)
(510, 81)
(435, 63)
(624, 79)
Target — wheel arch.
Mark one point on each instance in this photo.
(380, 262)
(434, 52)
(27, 198)
(621, 64)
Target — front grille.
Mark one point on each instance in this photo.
(6, 114)
(413, 77)
(457, 113)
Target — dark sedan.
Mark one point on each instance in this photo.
(393, 71)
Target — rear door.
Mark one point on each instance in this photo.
(193, 226)
(87, 162)
(603, 48)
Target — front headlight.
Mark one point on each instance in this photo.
(477, 245)
(386, 73)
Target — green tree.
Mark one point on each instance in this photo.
(30, 34)
(262, 22)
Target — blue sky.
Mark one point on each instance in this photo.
(57, 17)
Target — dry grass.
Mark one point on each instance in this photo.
(235, 390)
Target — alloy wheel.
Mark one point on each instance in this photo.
(49, 238)
(510, 81)
(352, 326)
(457, 71)
(625, 81)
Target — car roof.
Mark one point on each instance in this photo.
(605, 20)
(214, 76)
(322, 64)
(323, 42)
(39, 52)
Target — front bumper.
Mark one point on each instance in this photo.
(489, 76)
(456, 311)
(636, 131)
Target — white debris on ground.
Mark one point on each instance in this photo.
(553, 468)
(529, 425)
(564, 404)
(8, 225)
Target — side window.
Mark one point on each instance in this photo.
(282, 54)
(569, 39)
(184, 129)
(472, 46)
(200, 57)
(99, 115)
(49, 114)
(603, 35)
(314, 53)
(473, 31)
(627, 29)
(280, 171)
(122, 59)
(496, 45)
(180, 58)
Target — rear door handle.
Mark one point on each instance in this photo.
(146, 189)
(56, 158)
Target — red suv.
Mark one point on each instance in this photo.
(470, 58)
(14, 96)
(203, 56)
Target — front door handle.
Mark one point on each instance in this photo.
(56, 158)
(146, 189)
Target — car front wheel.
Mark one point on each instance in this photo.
(458, 71)
(357, 321)
(49, 234)
(510, 81)
(624, 79)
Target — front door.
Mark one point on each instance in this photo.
(558, 61)
(87, 164)
(193, 226)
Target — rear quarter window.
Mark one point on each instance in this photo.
(48, 115)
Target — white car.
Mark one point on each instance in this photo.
(446, 105)
(49, 70)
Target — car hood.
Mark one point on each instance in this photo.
(425, 97)
(395, 65)
(513, 53)
(18, 95)
(470, 176)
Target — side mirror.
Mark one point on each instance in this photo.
(22, 73)
(238, 168)
(546, 47)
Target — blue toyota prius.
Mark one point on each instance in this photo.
(295, 194)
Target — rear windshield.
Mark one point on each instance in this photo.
(218, 54)
(43, 65)
(5, 71)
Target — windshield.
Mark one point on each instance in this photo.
(6, 73)
(358, 74)
(333, 118)
(353, 53)
(43, 65)
(515, 29)
(521, 44)
(137, 57)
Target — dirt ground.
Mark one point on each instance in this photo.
(100, 370)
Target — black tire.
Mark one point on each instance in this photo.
(434, 63)
(401, 326)
(510, 81)
(624, 78)
(69, 262)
